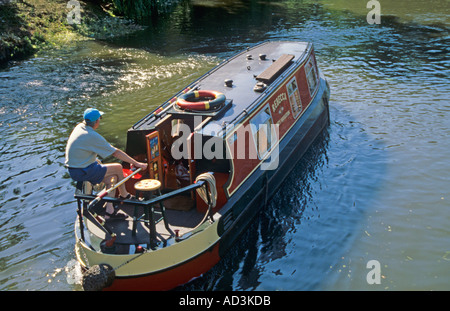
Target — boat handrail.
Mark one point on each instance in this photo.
(200, 182)
(145, 202)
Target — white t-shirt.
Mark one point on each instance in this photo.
(84, 145)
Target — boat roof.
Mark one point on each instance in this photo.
(245, 70)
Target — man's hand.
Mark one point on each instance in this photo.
(125, 157)
(141, 165)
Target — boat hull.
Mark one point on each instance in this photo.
(171, 277)
(161, 269)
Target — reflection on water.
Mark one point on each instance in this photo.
(374, 186)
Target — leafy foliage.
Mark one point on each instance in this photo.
(141, 9)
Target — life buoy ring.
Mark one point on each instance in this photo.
(193, 100)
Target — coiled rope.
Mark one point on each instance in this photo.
(209, 178)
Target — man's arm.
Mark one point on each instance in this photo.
(119, 154)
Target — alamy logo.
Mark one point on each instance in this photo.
(74, 16)
(374, 16)
(374, 275)
(263, 136)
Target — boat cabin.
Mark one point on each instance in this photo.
(181, 142)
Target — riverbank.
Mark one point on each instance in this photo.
(27, 27)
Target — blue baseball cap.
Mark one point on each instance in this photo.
(92, 114)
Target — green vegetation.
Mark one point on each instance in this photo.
(141, 9)
(27, 26)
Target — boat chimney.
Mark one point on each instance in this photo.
(228, 82)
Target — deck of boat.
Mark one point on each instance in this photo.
(245, 70)
(179, 220)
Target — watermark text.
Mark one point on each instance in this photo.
(253, 141)
(374, 275)
(374, 15)
(74, 16)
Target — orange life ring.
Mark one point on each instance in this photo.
(193, 100)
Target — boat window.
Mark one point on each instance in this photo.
(263, 133)
(294, 97)
(311, 74)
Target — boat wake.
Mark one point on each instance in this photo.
(73, 272)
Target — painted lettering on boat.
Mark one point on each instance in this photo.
(276, 103)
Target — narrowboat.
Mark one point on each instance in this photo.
(216, 152)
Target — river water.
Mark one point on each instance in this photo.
(374, 186)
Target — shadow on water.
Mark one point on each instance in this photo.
(216, 27)
(395, 48)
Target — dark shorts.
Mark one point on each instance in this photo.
(94, 173)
